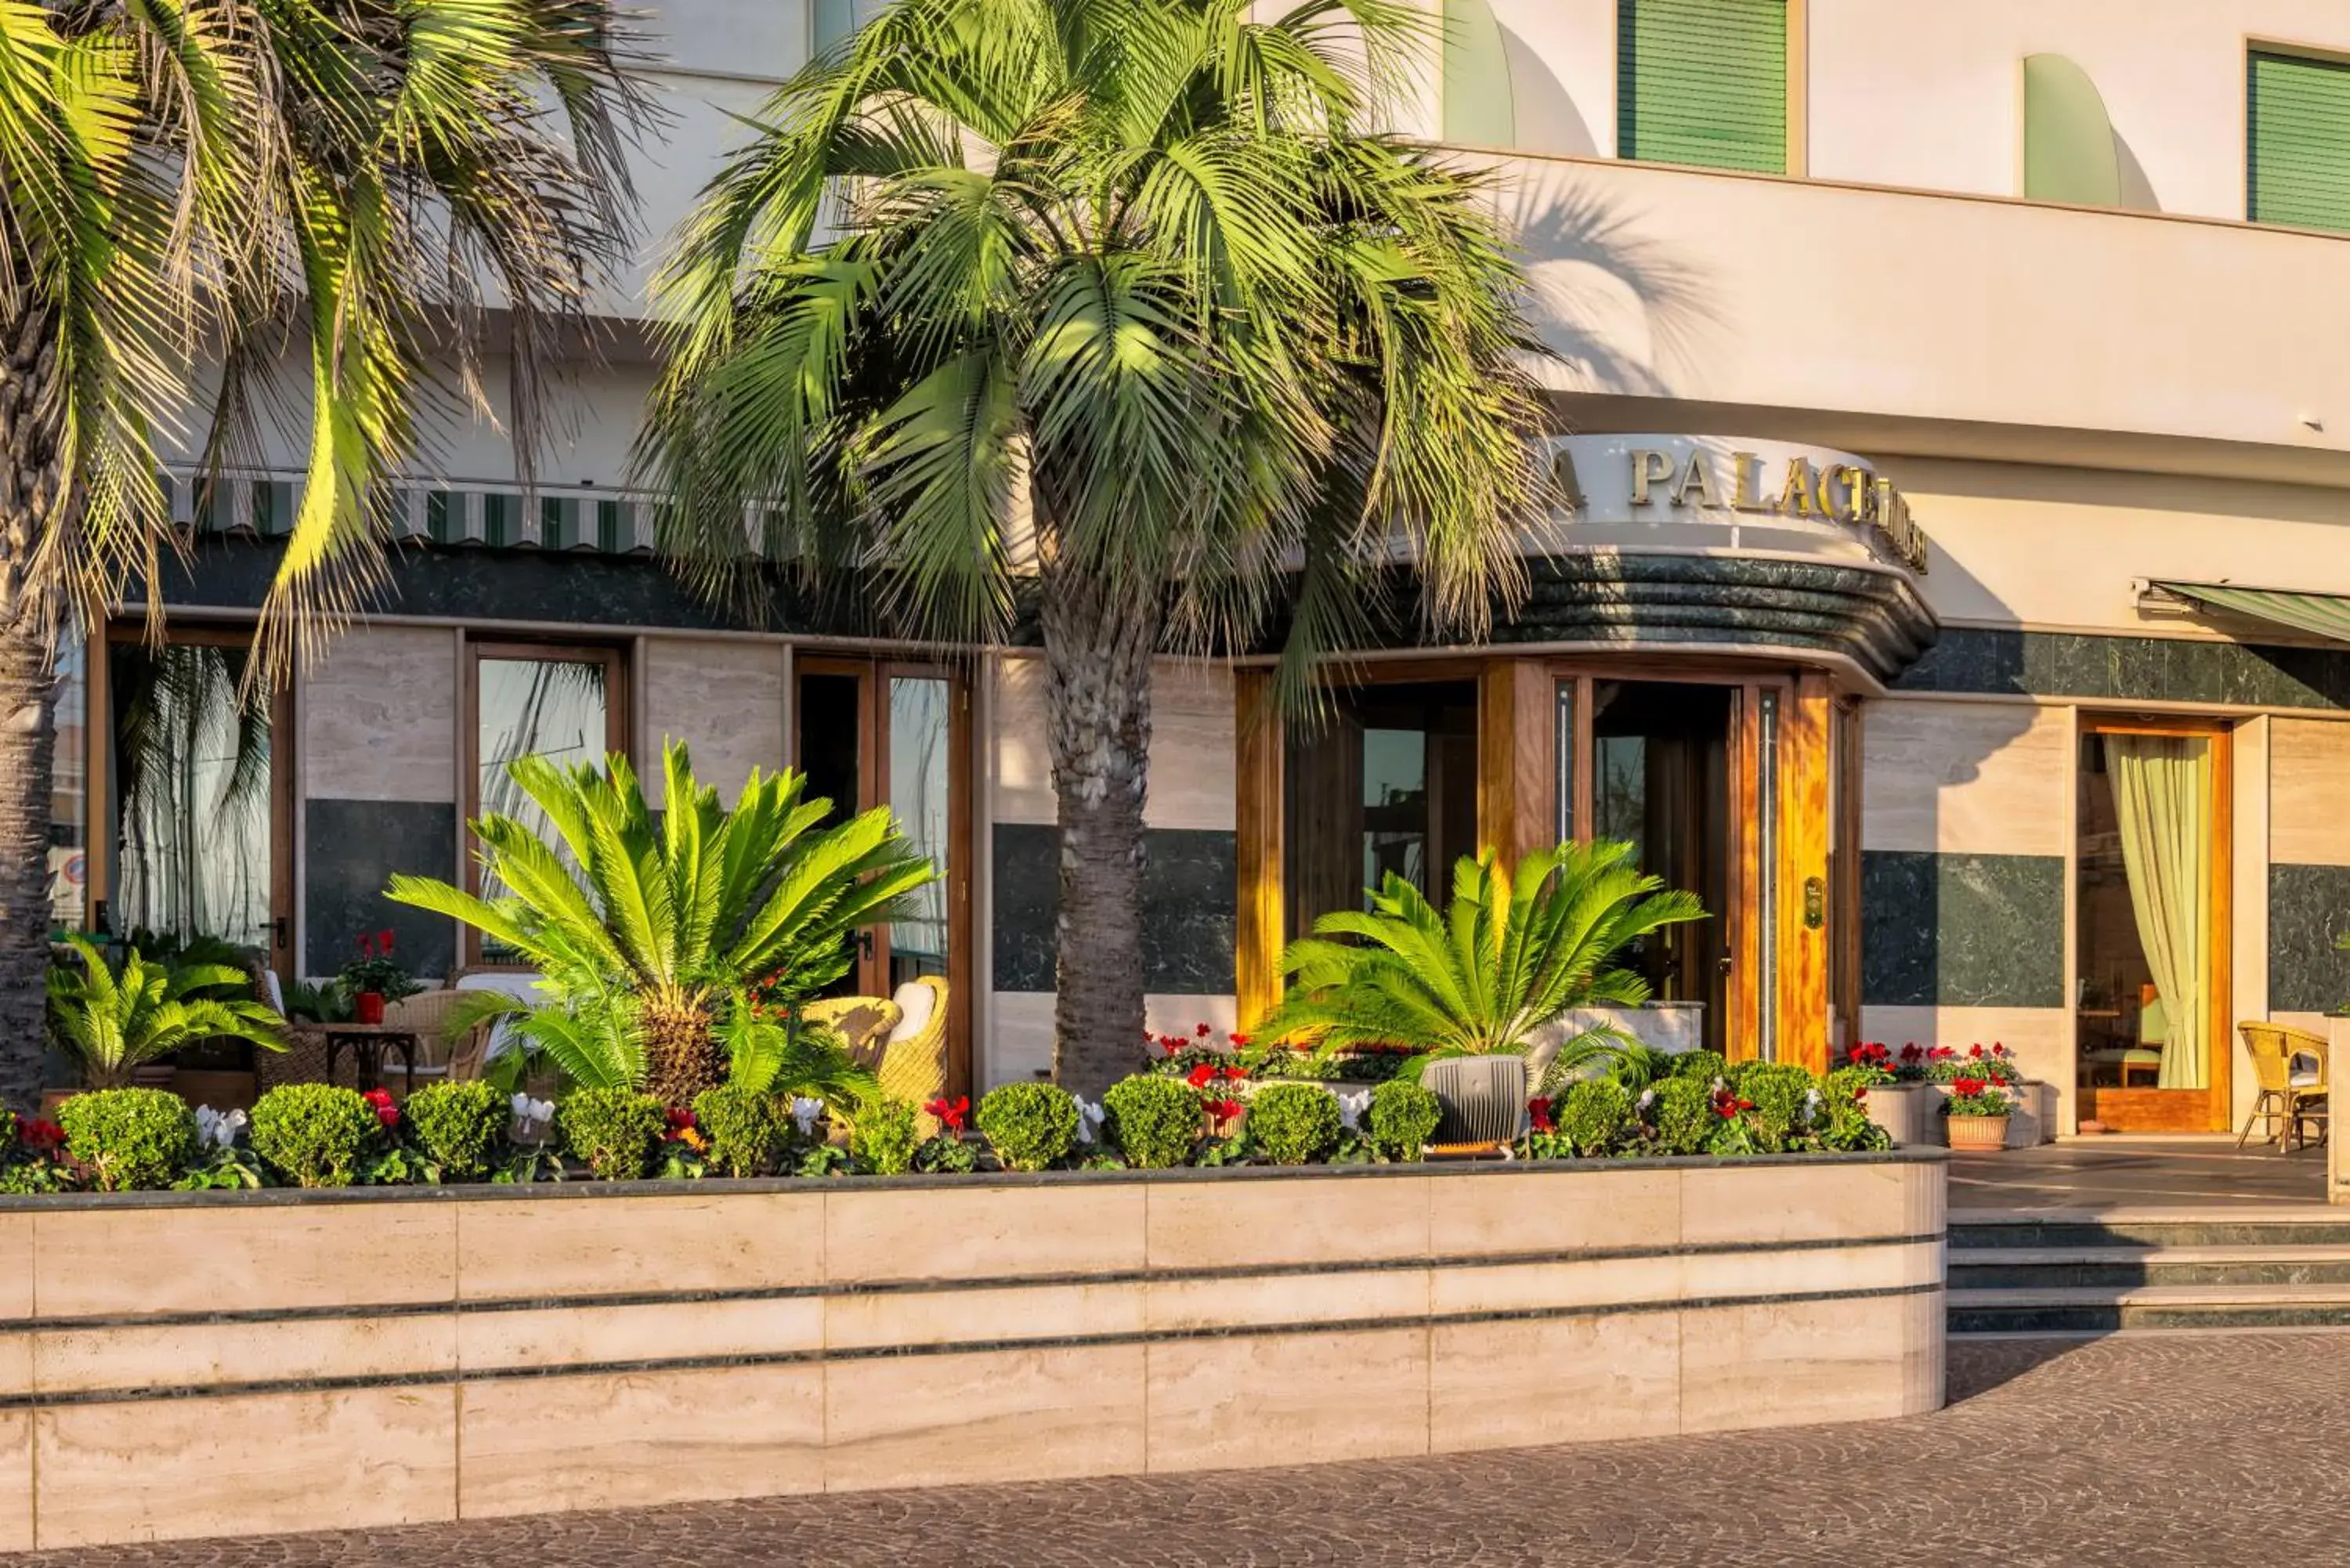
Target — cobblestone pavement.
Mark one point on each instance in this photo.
(2210, 1450)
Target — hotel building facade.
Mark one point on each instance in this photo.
(1954, 406)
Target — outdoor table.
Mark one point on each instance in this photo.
(368, 1042)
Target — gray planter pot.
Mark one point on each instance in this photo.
(1484, 1098)
(1910, 1113)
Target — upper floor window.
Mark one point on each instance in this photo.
(1702, 82)
(2297, 141)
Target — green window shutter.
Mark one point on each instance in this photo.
(1702, 82)
(1480, 110)
(2297, 143)
(2068, 141)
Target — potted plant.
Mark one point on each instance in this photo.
(1901, 1099)
(1995, 1065)
(1472, 990)
(375, 978)
(1976, 1113)
(117, 1021)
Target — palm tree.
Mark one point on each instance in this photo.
(343, 184)
(645, 930)
(1512, 954)
(1118, 311)
(119, 1021)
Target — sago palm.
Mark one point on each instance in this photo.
(335, 193)
(644, 925)
(1513, 952)
(117, 1022)
(1118, 310)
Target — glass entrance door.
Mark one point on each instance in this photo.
(197, 818)
(868, 733)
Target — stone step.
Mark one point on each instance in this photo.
(1973, 1230)
(2108, 1309)
(2047, 1267)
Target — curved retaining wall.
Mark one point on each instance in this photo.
(221, 1364)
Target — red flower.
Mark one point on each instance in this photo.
(1968, 1087)
(1171, 1043)
(1859, 1094)
(1942, 1053)
(1235, 1072)
(386, 1111)
(1974, 1051)
(1223, 1110)
(1539, 1109)
(383, 941)
(1202, 1032)
(1237, 1039)
(42, 1136)
(1725, 1104)
(1200, 1076)
(1997, 1049)
(366, 945)
(1910, 1053)
(950, 1112)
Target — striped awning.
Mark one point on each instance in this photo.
(2317, 615)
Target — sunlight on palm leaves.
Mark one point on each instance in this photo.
(117, 1021)
(646, 928)
(1513, 952)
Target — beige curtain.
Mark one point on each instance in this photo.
(2162, 793)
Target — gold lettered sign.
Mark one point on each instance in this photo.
(1731, 483)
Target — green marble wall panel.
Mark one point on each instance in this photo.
(2309, 907)
(1188, 880)
(1961, 930)
(2172, 670)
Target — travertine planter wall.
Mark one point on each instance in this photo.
(211, 1364)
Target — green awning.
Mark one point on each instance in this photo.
(2319, 615)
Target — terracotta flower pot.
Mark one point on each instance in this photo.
(367, 1007)
(1978, 1133)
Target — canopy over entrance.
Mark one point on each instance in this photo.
(2315, 615)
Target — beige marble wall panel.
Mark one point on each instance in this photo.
(995, 1416)
(379, 716)
(17, 1363)
(1308, 1219)
(1784, 1363)
(107, 1262)
(1514, 1212)
(17, 1480)
(16, 1288)
(603, 1246)
(1985, 778)
(1191, 782)
(1725, 1204)
(1534, 1286)
(884, 1319)
(724, 698)
(1809, 1271)
(163, 1469)
(2309, 792)
(1359, 1295)
(1220, 1403)
(388, 1345)
(1022, 765)
(601, 1335)
(2041, 1038)
(536, 1445)
(1604, 1377)
(982, 1232)
(1191, 742)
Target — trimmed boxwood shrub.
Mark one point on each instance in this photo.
(748, 1131)
(1153, 1121)
(1029, 1126)
(613, 1131)
(1595, 1116)
(459, 1124)
(1845, 1121)
(882, 1139)
(1403, 1117)
(1782, 1092)
(1704, 1066)
(314, 1135)
(1681, 1115)
(1293, 1124)
(130, 1138)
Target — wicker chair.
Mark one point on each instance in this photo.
(438, 1057)
(914, 1058)
(2291, 1095)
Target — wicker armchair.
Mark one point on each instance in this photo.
(914, 1059)
(863, 1022)
(2291, 1095)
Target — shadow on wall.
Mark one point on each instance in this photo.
(2136, 190)
(1620, 311)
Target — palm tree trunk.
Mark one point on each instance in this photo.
(32, 489)
(1097, 647)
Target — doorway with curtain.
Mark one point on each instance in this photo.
(2152, 873)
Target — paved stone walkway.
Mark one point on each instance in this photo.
(2152, 1451)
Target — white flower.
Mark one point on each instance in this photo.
(1648, 1098)
(530, 1118)
(1089, 1119)
(1813, 1100)
(1351, 1107)
(218, 1129)
(805, 1112)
